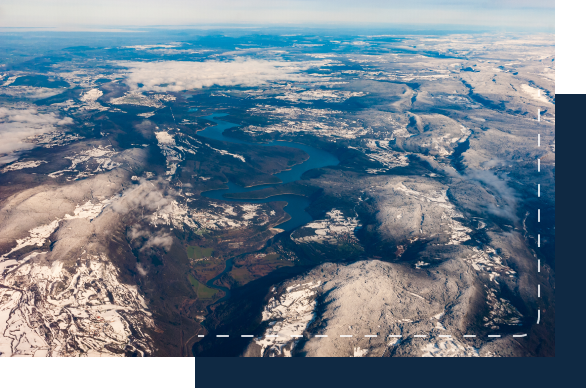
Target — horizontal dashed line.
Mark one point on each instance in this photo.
(366, 336)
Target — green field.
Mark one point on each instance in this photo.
(241, 275)
(195, 252)
(271, 258)
(203, 292)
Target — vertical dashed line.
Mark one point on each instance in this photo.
(538, 211)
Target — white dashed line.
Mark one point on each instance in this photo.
(538, 212)
(390, 335)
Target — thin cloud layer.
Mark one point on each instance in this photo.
(176, 76)
(18, 124)
(499, 188)
(147, 196)
(147, 239)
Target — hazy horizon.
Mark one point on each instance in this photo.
(108, 15)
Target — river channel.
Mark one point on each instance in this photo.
(296, 204)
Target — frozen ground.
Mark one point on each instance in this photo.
(21, 165)
(287, 317)
(67, 300)
(372, 308)
(46, 310)
(89, 162)
(331, 230)
(418, 208)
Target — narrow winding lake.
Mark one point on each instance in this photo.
(296, 204)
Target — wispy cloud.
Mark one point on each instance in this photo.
(148, 240)
(500, 189)
(16, 125)
(178, 75)
(148, 196)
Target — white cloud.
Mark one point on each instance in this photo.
(180, 75)
(152, 46)
(159, 239)
(148, 239)
(16, 125)
(146, 196)
(30, 92)
(141, 270)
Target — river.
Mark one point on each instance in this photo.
(296, 204)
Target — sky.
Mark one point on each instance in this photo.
(87, 14)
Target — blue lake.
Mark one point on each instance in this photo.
(296, 204)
